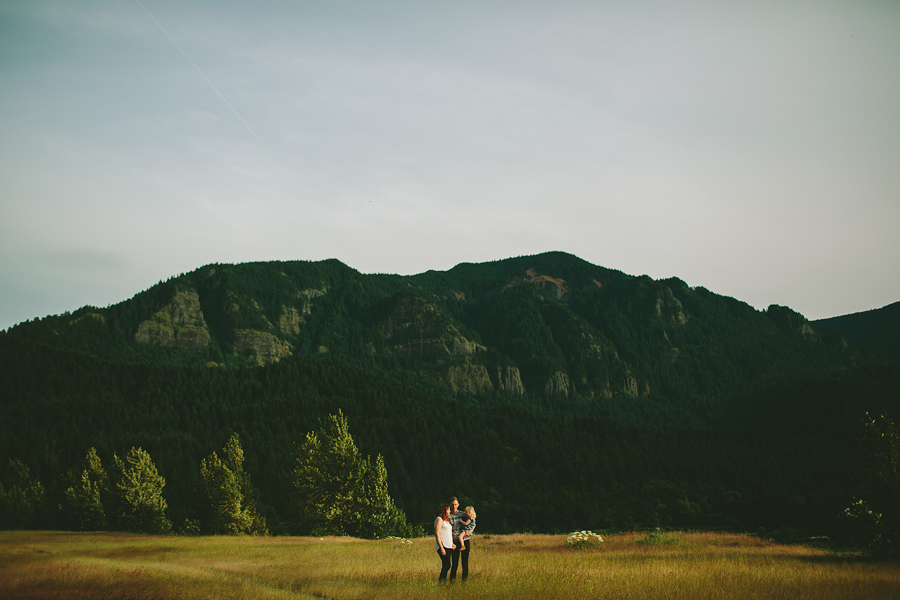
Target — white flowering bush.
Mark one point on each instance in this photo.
(583, 539)
(399, 542)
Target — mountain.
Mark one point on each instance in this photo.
(550, 324)
(877, 329)
(550, 393)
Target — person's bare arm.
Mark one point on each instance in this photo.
(438, 523)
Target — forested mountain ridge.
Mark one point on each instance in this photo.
(878, 329)
(549, 324)
(550, 393)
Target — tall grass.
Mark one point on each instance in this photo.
(688, 565)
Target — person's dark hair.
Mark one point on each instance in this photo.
(452, 498)
(444, 511)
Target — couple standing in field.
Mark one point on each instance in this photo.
(452, 530)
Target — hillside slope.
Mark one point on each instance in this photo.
(779, 457)
(877, 329)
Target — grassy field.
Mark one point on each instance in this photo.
(39, 565)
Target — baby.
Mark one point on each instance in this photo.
(468, 526)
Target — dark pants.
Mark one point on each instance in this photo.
(464, 554)
(445, 563)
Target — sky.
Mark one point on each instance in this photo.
(752, 148)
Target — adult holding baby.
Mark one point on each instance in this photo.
(460, 521)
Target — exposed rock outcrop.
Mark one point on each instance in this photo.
(559, 385)
(180, 324)
(808, 331)
(606, 392)
(510, 380)
(311, 293)
(413, 317)
(417, 328)
(462, 347)
(593, 287)
(630, 386)
(290, 320)
(260, 347)
(469, 378)
(789, 319)
(671, 306)
(557, 287)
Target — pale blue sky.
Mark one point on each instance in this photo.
(752, 148)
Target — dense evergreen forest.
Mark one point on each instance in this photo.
(550, 393)
(878, 329)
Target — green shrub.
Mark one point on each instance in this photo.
(659, 538)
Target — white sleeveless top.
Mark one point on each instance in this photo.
(446, 535)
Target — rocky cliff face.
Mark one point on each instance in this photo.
(668, 306)
(310, 293)
(808, 331)
(559, 385)
(260, 347)
(460, 346)
(290, 320)
(630, 386)
(509, 380)
(417, 330)
(554, 285)
(293, 317)
(180, 324)
(469, 378)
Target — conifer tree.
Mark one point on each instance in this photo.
(136, 494)
(383, 517)
(335, 491)
(22, 499)
(84, 498)
(230, 501)
(234, 459)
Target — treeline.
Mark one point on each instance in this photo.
(778, 457)
(334, 491)
(127, 497)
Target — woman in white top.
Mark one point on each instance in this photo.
(443, 539)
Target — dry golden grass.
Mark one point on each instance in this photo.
(44, 565)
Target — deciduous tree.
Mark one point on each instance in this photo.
(876, 509)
